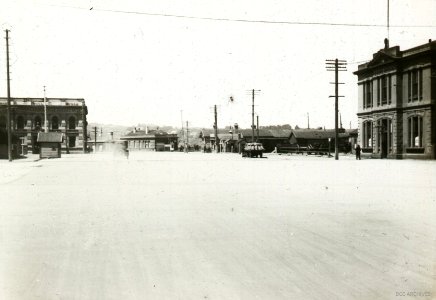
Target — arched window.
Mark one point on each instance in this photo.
(54, 123)
(72, 123)
(414, 127)
(37, 123)
(367, 134)
(20, 122)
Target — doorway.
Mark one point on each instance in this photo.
(384, 126)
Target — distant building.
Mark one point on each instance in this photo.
(235, 139)
(396, 102)
(151, 140)
(269, 138)
(64, 115)
(227, 139)
(318, 141)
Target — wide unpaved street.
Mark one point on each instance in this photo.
(217, 226)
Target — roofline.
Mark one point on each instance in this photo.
(42, 98)
(404, 54)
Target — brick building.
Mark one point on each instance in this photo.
(64, 115)
(396, 103)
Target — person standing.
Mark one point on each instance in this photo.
(358, 149)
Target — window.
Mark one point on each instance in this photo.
(37, 123)
(72, 123)
(415, 131)
(414, 85)
(20, 122)
(54, 123)
(389, 89)
(367, 134)
(378, 91)
(384, 90)
(367, 94)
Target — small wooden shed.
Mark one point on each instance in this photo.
(50, 144)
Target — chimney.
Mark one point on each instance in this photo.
(134, 129)
(146, 129)
(386, 44)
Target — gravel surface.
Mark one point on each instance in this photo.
(217, 226)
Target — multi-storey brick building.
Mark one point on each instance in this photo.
(65, 115)
(396, 106)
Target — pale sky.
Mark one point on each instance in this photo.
(134, 65)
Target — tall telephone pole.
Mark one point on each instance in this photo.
(253, 92)
(257, 128)
(9, 98)
(336, 65)
(252, 119)
(45, 112)
(85, 129)
(183, 132)
(95, 139)
(187, 137)
(388, 19)
(215, 126)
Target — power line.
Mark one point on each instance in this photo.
(243, 20)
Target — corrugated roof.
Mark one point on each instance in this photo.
(313, 133)
(50, 137)
(211, 132)
(281, 133)
(224, 136)
(262, 133)
(149, 134)
(321, 133)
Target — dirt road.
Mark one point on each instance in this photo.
(209, 226)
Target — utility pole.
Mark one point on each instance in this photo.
(308, 125)
(253, 92)
(45, 112)
(388, 19)
(183, 132)
(95, 139)
(187, 137)
(252, 119)
(215, 126)
(336, 66)
(257, 128)
(67, 150)
(85, 129)
(9, 98)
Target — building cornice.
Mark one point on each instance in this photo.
(395, 109)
